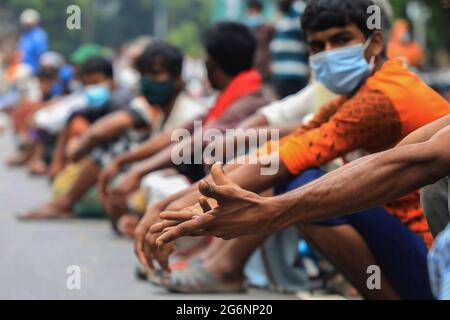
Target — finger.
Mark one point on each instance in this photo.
(148, 258)
(189, 228)
(163, 259)
(160, 226)
(140, 249)
(197, 233)
(204, 204)
(103, 184)
(148, 253)
(220, 193)
(177, 215)
(219, 176)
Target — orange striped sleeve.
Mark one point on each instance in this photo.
(367, 121)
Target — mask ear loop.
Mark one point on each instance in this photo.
(372, 60)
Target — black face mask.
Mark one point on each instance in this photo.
(157, 92)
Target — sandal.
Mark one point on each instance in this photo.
(197, 280)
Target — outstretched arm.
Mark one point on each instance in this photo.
(375, 180)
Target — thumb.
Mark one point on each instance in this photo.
(219, 176)
(210, 190)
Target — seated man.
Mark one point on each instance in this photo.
(22, 116)
(160, 66)
(230, 49)
(381, 102)
(419, 160)
(94, 71)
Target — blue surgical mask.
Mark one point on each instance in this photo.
(342, 70)
(97, 95)
(254, 21)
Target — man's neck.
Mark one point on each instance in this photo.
(224, 82)
(167, 109)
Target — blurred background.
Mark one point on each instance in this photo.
(113, 22)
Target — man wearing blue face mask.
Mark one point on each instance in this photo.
(380, 103)
(161, 107)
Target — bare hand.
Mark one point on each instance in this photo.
(238, 213)
(105, 178)
(145, 245)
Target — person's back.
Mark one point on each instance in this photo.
(290, 72)
(264, 33)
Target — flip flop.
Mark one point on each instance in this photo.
(159, 278)
(197, 280)
(183, 264)
(141, 272)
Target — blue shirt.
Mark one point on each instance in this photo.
(288, 48)
(33, 43)
(439, 266)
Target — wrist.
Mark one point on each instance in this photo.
(119, 162)
(282, 211)
(138, 172)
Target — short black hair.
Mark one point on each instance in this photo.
(254, 4)
(324, 14)
(97, 64)
(47, 73)
(231, 45)
(163, 54)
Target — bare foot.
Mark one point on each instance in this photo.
(49, 211)
(37, 167)
(18, 159)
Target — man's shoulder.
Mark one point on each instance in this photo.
(366, 96)
(189, 106)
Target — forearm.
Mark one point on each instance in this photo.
(426, 132)
(146, 150)
(249, 176)
(246, 176)
(378, 180)
(105, 129)
(190, 196)
(161, 160)
(91, 139)
(255, 121)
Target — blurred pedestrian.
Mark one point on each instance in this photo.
(290, 72)
(33, 41)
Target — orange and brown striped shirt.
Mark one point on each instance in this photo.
(391, 104)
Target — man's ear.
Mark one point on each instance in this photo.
(179, 83)
(377, 43)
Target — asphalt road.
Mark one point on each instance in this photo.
(34, 257)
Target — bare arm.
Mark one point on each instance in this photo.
(145, 150)
(383, 178)
(103, 130)
(370, 181)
